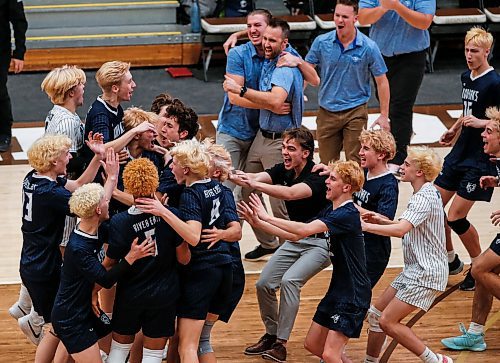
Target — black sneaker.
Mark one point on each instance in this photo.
(4, 143)
(277, 353)
(265, 343)
(456, 266)
(469, 284)
(259, 253)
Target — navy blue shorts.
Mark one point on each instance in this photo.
(464, 181)
(78, 337)
(43, 295)
(155, 322)
(495, 244)
(203, 291)
(343, 318)
(237, 290)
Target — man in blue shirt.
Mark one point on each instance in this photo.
(277, 85)
(347, 59)
(400, 30)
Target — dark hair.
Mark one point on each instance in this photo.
(163, 99)
(304, 137)
(264, 12)
(278, 23)
(353, 3)
(186, 117)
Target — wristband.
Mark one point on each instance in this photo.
(243, 90)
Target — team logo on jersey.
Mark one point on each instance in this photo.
(470, 187)
(335, 318)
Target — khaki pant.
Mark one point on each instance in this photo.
(340, 130)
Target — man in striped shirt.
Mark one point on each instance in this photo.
(425, 270)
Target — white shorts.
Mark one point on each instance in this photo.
(420, 296)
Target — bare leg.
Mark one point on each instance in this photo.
(173, 350)
(486, 270)
(136, 350)
(62, 355)
(46, 350)
(89, 355)
(189, 337)
(376, 339)
(459, 209)
(334, 347)
(315, 339)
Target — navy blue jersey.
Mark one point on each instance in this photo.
(204, 201)
(168, 185)
(379, 194)
(156, 158)
(151, 280)
(350, 283)
(302, 210)
(80, 270)
(45, 206)
(231, 215)
(477, 95)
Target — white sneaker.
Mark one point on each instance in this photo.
(33, 332)
(16, 311)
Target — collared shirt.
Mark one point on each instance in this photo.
(237, 121)
(345, 73)
(291, 80)
(393, 34)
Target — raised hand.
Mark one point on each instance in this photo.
(96, 144)
(111, 165)
(258, 207)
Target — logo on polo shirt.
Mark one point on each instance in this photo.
(470, 187)
(335, 318)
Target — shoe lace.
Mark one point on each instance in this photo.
(463, 329)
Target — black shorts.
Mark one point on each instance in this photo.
(155, 322)
(343, 318)
(204, 291)
(464, 181)
(377, 258)
(237, 290)
(495, 244)
(78, 337)
(43, 295)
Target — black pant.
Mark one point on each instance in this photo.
(5, 107)
(405, 74)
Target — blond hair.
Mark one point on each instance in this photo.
(426, 160)
(140, 178)
(191, 154)
(111, 73)
(479, 37)
(44, 151)
(134, 116)
(350, 172)
(85, 200)
(220, 158)
(493, 113)
(381, 141)
(60, 81)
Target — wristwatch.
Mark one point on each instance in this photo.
(243, 90)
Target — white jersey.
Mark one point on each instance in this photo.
(61, 121)
(424, 246)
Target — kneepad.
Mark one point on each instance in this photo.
(373, 320)
(460, 226)
(204, 346)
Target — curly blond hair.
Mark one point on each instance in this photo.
(426, 160)
(140, 178)
(60, 81)
(191, 154)
(85, 200)
(493, 113)
(381, 141)
(479, 37)
(134, 116)
(350, 172)
(220, 158)
(46, 150)
(111, 73)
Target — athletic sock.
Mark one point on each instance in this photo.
(119, 352)
(370, 359)
(428, 356)
(35, 318)
(24, 298)
(451, 256)
(472, 259)
(475, 328)
(204, 345)
(152, 356)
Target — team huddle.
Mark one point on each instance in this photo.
(131, 224)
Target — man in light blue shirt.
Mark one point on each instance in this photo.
(399, 27)
(347, 59)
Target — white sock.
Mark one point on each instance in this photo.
(151, 356)
(472, 259)
(118, 352)
(24, 298)
(475, 328)
(35, 318)
(451, 256)
(428, 356)
(370, 359)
